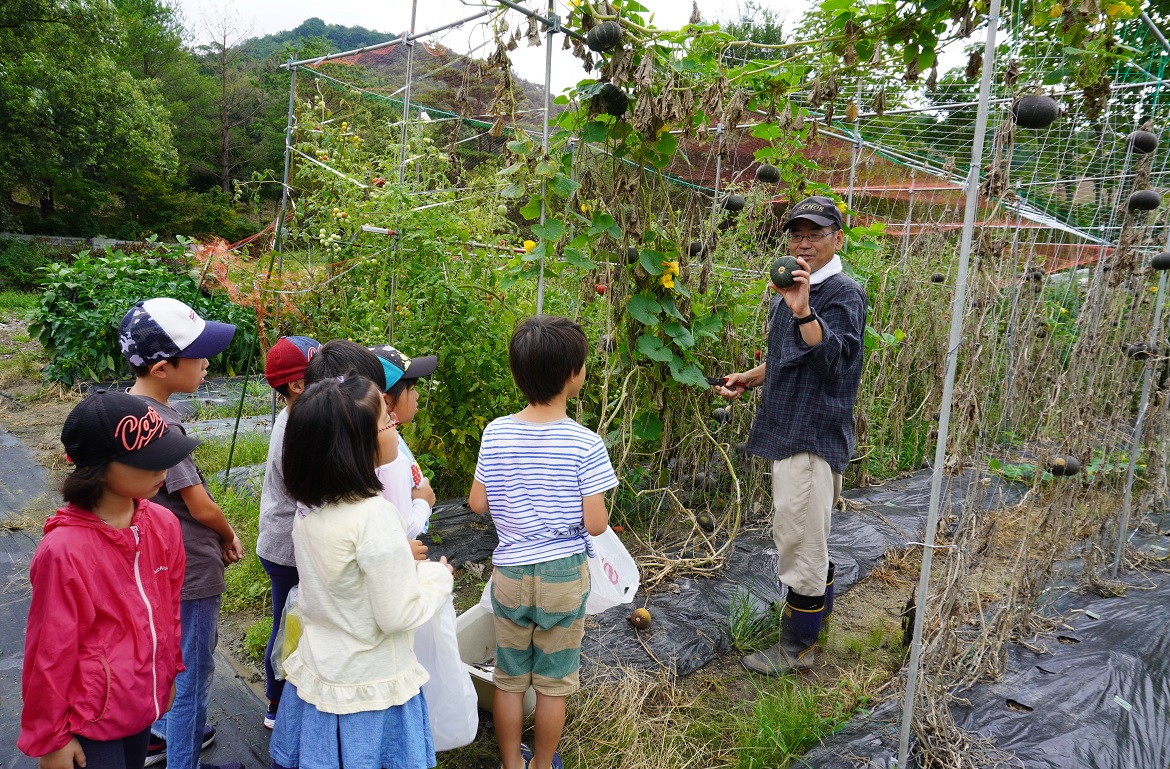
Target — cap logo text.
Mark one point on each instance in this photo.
(136, 432)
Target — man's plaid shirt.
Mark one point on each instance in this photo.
(809, 392)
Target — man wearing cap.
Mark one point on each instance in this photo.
(804, 424)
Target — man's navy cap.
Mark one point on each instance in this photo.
(818, 210)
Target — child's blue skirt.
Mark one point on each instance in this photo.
(396, 738)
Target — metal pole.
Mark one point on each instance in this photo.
(1005, 423)
(718, 173)
(957, 306)
(1139, 426)
(278, 242)
(551, 27)
(288, 140)
(406, 94)
(854, 157)
(909, 221)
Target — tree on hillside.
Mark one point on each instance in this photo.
(81, 135)
(240, 99)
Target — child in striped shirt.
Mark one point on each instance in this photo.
(543, 476)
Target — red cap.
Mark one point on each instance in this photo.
(288, 358)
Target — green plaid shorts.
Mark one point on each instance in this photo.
(540, 621)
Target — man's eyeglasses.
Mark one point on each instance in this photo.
(811, 237)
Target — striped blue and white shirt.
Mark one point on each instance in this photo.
(535, 474)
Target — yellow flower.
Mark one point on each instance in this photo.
(842, 207)
(1153, 289)
(1064, 311)
(671, 267)
(584, 208)
(662, 130)
(667, 280)
(1055, 11)
(529, 245)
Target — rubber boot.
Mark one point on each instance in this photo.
(829, 591)
(800, 626)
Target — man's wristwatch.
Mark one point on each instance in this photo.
(812, 315)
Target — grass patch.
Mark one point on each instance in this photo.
(790, 716)
(749, 627)
(256, 639)
(247, 584)
(18, 303)
(251, 449)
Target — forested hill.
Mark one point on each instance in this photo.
(147, 133)
(439, 77)
(330, 37)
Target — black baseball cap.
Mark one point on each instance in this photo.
(818, 210)
(397, 366)
(116, 427)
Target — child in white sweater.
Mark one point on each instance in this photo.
(353, 695)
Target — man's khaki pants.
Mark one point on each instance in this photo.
(804, 490)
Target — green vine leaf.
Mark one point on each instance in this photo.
(651, 261)
(552, 229)
(578, 259)
(531, 209)
(594, 132)
(671, 308)
(644, 309)
(687, 373)
(681, 334)
(647, 426)
(652, 347)
(563, 186)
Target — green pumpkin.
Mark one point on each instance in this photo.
(767, 174)
(1064, 465)
(612, 100)
(1143, 200)
(1036, 111)
(1142, 142)
(605, 36)
(782, 270)
(734, 203)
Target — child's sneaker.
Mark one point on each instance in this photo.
(156, 750)
(270, 716)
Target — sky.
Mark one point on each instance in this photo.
(255, 18)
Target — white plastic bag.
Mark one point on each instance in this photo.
(613, 575)
(450, 695)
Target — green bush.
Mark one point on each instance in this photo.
(20, 261)
(83, 302)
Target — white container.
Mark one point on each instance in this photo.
(476, 631)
